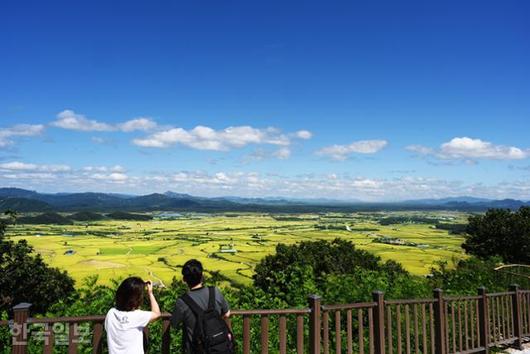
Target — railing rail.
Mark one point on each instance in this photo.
(439, 325)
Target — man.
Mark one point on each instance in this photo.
(201, 312)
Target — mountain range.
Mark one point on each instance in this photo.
(22, 200)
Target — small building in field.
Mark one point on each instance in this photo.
(227, 248)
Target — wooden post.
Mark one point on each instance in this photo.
(20, 328)
(483, 320)
(264, 334)
(97, 338)
(314, 324)
(166, 336)
(246, 334)
(379, 322)
(516, 310)
(439, 322)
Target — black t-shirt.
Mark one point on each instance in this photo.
(182, 314)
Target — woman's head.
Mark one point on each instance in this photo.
(130, 294)
(192, 272)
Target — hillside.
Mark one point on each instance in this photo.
(31, 201)
(86, 216)
(120, 215)
(23, 204)
(46, 219)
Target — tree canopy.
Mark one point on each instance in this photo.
(26, 278)
(500, 232)
(332, 269)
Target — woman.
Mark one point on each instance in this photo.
(125, 322)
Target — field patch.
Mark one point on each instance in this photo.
(101, 264)
(157, 249)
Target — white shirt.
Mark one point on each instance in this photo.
(124, 330)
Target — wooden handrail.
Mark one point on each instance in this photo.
(445, 325)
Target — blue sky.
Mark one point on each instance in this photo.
(373, 101)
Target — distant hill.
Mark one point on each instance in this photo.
(45, 218)
(86, 216)
(178, 195)
(160, 202)
(23, 204)
(17, 193)
(508, 203)
(82, 201)
(255, 201)
(464, 199)
(31, 201)
(120, 215)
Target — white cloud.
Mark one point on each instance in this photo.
(102, 174)
(70, 120)
(143, 124)
(117, 177)
(109, 178)
(165, 139)
(201, 137)
(22, 166)
(476, 148)
(63, 176)
(329, 186)
(253, 184)
(206, 138)
(464, 148)
(342, 152)
(34, 177)
(303, 134)
(115, 168)
(19, 130)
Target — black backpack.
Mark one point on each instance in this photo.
(211, 334)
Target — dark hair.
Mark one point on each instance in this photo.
(130, 294)
(192, 272)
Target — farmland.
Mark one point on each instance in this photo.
(233, 243)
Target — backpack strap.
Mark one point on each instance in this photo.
(197, 311)
(211, 298)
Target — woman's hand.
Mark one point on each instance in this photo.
(149, 285)
(155, 309)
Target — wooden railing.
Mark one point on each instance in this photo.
(439, 325)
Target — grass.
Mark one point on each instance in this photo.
(156, 249)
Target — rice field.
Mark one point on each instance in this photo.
(229, 243)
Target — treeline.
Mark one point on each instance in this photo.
(330, 226)
(453, 228)
(389, 220)
(51, 218)
(291, 218)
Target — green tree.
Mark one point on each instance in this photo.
(25, 276)
(472, 273)
(500, 232)
(335, 270)
(358, 285)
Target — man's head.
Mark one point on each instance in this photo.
(192, 272)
